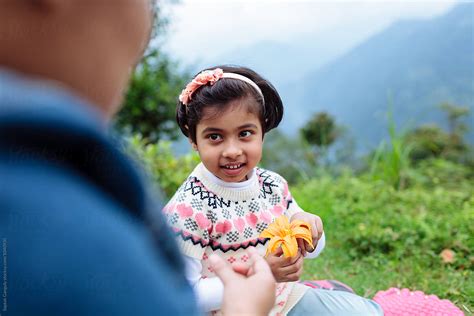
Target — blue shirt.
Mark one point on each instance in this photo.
(76, 238)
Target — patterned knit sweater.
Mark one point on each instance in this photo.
(212, 219)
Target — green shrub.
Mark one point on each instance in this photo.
(166, 169)
(379, 236)
(392, 163)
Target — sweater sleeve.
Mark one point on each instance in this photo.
(319, 248)
(209, 292)
(190, 225)
(292, 206)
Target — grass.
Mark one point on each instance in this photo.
(385, 228)
(379, 236)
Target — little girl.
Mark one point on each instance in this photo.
(227, 201)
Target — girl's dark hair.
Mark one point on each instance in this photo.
(225, 90)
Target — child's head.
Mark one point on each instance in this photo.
(89, 47)
(225, 112)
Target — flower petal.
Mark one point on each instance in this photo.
(270, 231)
(289, 246)
(309, 241)
(299, 223)
(303, 232)
(266, 234)
(273, 244)
(282, 222)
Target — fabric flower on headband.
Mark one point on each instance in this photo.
(202, 79)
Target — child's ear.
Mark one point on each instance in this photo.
(193, 144)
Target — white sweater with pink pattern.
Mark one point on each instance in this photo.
(210, 216)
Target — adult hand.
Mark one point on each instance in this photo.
(247, 290)
(316, 230)
(285, 269)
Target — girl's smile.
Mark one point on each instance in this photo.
(230, 144)
(234, 170)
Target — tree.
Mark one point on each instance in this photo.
(430, 141)
(288, 156)
(455, 114)
(458, 150)
(320, 132)
(150, 103)
(427, 141)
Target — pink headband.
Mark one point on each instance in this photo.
(211, 77)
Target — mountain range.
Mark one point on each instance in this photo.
(409, 68)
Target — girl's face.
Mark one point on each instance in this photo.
(230, 144)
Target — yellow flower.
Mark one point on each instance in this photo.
(283, 234)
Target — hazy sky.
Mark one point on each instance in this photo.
(211, 27)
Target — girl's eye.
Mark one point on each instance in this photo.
(214, 137)
(244, 134)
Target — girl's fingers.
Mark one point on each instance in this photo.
(278, 252)
(319, 226)
(292, 268)
(292, 278)
(281, 260)
(288, 262)
(302, 246)
(295, 276)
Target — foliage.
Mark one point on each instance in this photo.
(427, 141)
(277, 150)
(391, 163)
(320, 130)
(455, 114)
(167, 170)
(398, 224)
(319, 133)
(150, 102)
(430, 141)
(453, 175)
(379, 237)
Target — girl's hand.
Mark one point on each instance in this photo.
(285, 269)
(316, 230)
